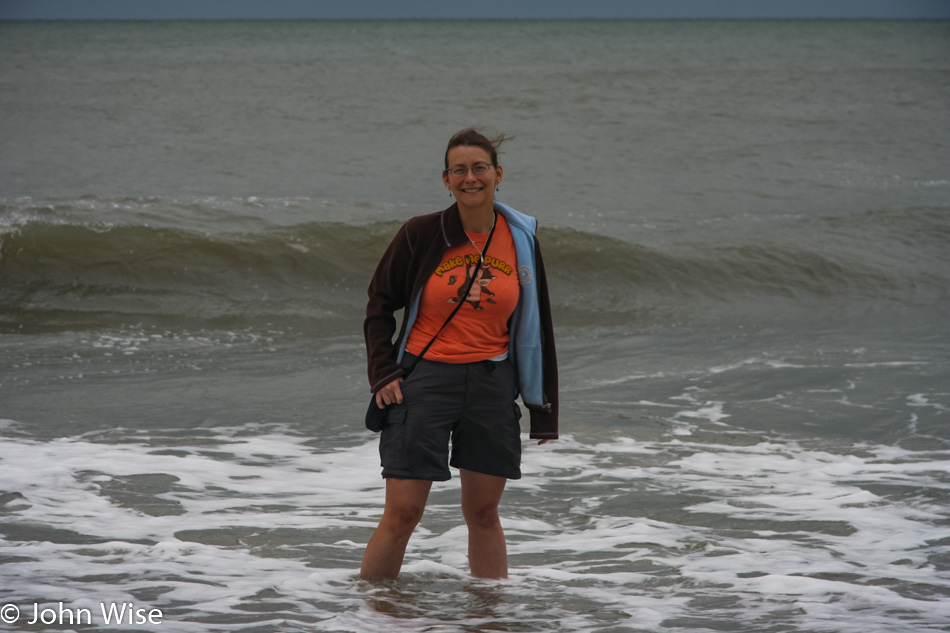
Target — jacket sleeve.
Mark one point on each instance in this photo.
(388, 293)
(544, 421)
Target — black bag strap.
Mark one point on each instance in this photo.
(468, 289)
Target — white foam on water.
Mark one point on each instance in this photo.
(613, 382)
(922, 400)
(264, 527)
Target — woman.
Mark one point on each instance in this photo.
(472, 283)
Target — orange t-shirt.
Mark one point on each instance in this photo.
(479, 330)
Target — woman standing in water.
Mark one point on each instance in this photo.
(473, 285)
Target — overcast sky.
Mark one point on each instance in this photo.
(494, 9)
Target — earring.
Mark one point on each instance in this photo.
(450, 192)
(497, 188)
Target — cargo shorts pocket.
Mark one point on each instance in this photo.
(392, 442)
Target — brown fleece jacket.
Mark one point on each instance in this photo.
(406, 265)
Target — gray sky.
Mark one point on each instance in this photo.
(494, 9)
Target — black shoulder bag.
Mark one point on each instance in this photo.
(376, 417)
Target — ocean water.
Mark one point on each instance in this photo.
(746, 229)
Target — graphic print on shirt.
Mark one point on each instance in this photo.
(478, 288)
(479, 291)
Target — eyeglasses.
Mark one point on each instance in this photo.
(478, 169)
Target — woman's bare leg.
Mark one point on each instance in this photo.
(487, 553)
(405, 503)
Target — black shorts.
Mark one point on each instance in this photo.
(473, 404)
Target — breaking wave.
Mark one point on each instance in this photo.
(66, 275)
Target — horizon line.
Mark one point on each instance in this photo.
(483, 19)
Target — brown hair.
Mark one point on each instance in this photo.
(471, 137)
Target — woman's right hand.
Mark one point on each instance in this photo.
(390, 394)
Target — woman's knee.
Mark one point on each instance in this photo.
(481, 516)
(403, 517)
(405, 503)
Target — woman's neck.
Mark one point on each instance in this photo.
(477, 220)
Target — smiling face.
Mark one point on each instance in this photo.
(472, 191)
